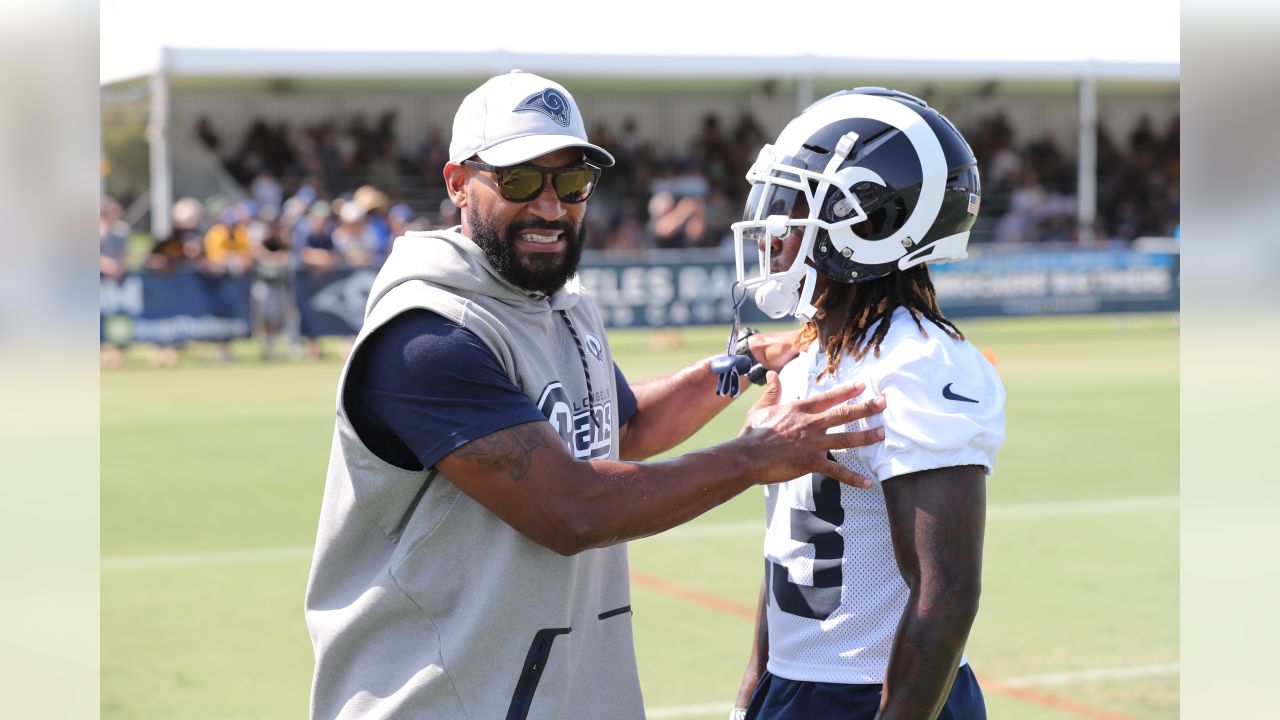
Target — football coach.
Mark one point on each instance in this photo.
(470, 560)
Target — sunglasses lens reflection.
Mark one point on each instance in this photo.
(522, 184)
(575, 185)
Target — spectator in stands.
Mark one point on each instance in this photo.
(375, 203)
(270, 296)
(717, 161)
(354, 145)
(184, 247)
(112, 263)
(316, 249)
(330, 154)
(318, 256)
(676, 223)
(747, 133)
(266, 190)
(226, 245)
(386, 129)
(208, 136)
(433, 153)
(722, 211)
(626, 235)
(354, 239)
(384, 169)
(401, 219)
(229, 253)
(113, 244)
(1143, 136)
(629, 140)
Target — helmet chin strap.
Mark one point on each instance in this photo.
(781, 296)
(804, 304)
(777, 298)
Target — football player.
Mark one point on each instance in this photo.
(869, 594)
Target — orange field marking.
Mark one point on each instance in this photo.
(697, 598)
(729, 607)
(1050, 701)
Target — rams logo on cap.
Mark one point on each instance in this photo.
(549, 102)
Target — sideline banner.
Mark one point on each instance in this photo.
(659, 293)
(174, 308)
(332, 302)
(669, 290)
(1063, 282)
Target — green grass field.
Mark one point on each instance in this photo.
(212, 476)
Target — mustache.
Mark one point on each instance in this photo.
(563, 226)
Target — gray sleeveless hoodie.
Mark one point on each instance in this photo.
(423, 604)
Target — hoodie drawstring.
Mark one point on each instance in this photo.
(582, 355)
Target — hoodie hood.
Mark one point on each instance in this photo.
(449, 260)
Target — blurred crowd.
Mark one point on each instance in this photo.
(267, 241)
(220, 236)
(1029, 189)
(688, 198)
(336, 198)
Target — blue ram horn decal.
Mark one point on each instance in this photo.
(549, 102)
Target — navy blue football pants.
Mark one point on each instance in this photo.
(778, 698)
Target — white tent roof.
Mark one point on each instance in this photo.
(653, 38)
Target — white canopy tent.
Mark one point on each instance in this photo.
(664, 42)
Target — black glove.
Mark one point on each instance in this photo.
(757, 372)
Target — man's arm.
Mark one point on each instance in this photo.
(672, 408)
(669, 410)
(936, 518)
(526, 476)
(759, 658)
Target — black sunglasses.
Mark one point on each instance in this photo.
(522, 183)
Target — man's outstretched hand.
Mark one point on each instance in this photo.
(787, 440)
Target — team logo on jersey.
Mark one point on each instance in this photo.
(550, 102)
(595, 348)
(586, 428)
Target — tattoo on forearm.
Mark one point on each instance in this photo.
(511, 449)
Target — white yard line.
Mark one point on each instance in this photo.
(232, 557)
(1080, 676)
(1082, 507)
(703, 530)
(1046, 679)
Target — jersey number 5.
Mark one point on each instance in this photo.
(819, 528)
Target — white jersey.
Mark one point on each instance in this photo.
(835, 593)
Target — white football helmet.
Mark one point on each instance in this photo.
(877, 180)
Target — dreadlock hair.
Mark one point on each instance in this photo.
(872, 307)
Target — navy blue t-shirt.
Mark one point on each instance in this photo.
(422, 386)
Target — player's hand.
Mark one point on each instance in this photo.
(774, 350)
(787, 440)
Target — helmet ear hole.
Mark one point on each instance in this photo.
(873, 227)
(883, 221)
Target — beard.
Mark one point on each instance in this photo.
(540, 272)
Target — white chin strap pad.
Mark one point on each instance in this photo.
(777, 299)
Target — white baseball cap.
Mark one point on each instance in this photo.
(519, 116)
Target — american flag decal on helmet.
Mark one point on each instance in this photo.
(974, 201)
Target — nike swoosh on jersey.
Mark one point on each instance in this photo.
(946, 393)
